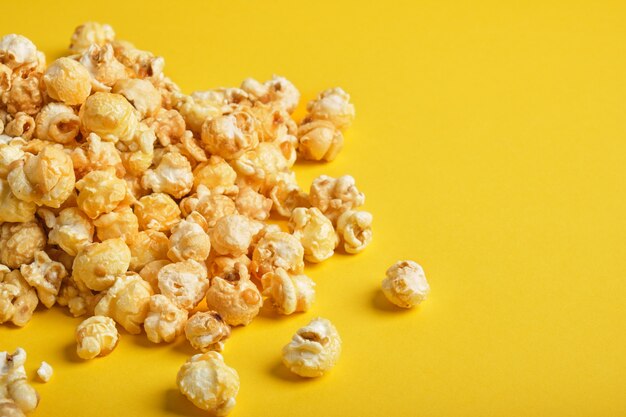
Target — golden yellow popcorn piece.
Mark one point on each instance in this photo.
(96, 336)
(67, 81)
(142, 64)
(165, 320)
(100, 192)
(277, 250)
(79, 301)
(319, 140)
(14, 386)
(333, 196)
(89, 33)
(58, 123)
(138, 152)
(157, 211)
(19, 242)
(253, 204)
(121, 222)
(172, 176)
(288, 294)
(209, 383)
(313, 350)
(185, 283)
(44, 372)
(405, 284)
(127, 302)
(206, 330)
(216, 175)
(355, 230)
(278, 91)
(235, 297)
(231, 135)
(25, 94)
(316, 233)
(189, 239)
(147, 246)
(225, 266)
(22, 125)
(72, 230)
(96, 154)
(272, 122)
(103, 66)
(211, 205)
(98, 265)
(332, 105)
(17, 299)
(141, 94)
(287, 195)
(11, 150)
(150, 272)
(233, 234)
(260, 168)
(168, 125)
(45, 275)
(110, 116)
(14, 210)
(46, 178)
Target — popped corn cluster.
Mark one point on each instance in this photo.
(134, 204)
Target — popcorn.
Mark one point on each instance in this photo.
(103, 67)
(15, 389)
(252, 204)
(231, 135)
(141, 94)
(14, 210)
(96, 154)
(172, 176)
(209, 383)
(91, 33)
(67, 81)
(165, 320)
(157, 211)
(72, 230)
(278, 91)
(216, 175)
(333, 196)
(211, 205)
(19, 242)
(189, 239)
(147, 246)
(168, 125)
(22, 125)
(100, 192)
(97, 266)
(319, 140)
(405, 284)
(17, 299)
(121, 222)
(17, 51)
(332, 105)
(233, 234)
(288, 294)
(206, 331)
(96, 336)
(277, 250)
(44, 372)
(58, 123)
(313, 350)
(25, 94)
(109, 116)
(315, 232)
(185, 283)
(45, 275)
(355, 230)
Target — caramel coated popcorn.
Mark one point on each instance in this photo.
(235, 297)
(206, 330)
(313, 350)
(96, 336)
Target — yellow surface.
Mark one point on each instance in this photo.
(490, 141)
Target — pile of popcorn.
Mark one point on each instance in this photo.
(130, 202)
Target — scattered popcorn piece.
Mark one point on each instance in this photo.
(14, 386)
(96, 336)
(172, 176)
(45, 275)
(332, 105)
(231, 135)
(316, 233)
(165, 320)
(209, 383)
(355, 230)
(185, 283)
(235, 297)
(319, 140)
(206, 330)
(277, 250)
(333, 196)
(288, 294)
(58, 123)
(313, 350)
(405, 284)
(44, 372)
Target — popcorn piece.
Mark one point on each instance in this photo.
(44, 372)
(287, 195)
(19, 242)
(233, 234)
(165, 320)
(206, 331)
(231, 135)
(58, 123)
(316, 233)
(319, 140)
(216, 175)
(313, 350)
(22, 125)
(96, 154)
(15, 210)
(272, 122)
(25, 94)
(278, 91)
(260, 168)
(17, 51)
(45, 275)
(79, 301)
(138, 152)
(332, 105)
(168, 125)
(127, 302)
(172, 176)
(67, 81)
(46, 178)
(72, 230)
(110, 116)
(209, 383)
(189, 239)
(98, 265)
(157, 211)
(96, 336)
(185, 283)
(14, 386)
(150, 272)
(277, 250)
(236, 299)
(147, 246)
(141, 94)
(288, 294)
(355, 229)
(100, 192)
(121, 222)
(405, 284)
(17, 299)
(252, 204)
(91, 33)
(142, 64)
(333, 196)
(210, 205)
(103, 67)
(8, 408)
(225, 266)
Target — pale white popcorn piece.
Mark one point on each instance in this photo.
(313, 350)
(45, 371)
(185, 283)
(45, 275)
(235, 297)
(96, 336)
(405, 284)
(17, 51)
(103, 67)
(189, 239)
(260, 168)
(8, 408)
(96, 154)
(98, 265)
(288, 294)
(172, 176)
(333, 196)
(287, 195)
(57, 122)
(278, 91)
(209, 383)
(355, 230)
(17, 299)
(206, 330)
(316, 233)
(67, 81)
(277, 250)
(165, 320)
(91, 33)
(127, 302)
(14, 386)
(332, 105)
(19, 242)
(233, 234)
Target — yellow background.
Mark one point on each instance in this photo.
(490, 141)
